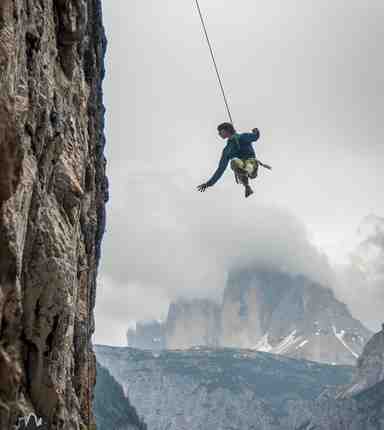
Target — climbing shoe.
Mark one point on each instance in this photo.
(248, 191)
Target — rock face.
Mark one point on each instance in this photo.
(267, 311)
(360, 406)
(112, 409)
(364, 411)
(189, 323)
(53, 191)
(211, 389)
(370, 366)
(289, 315)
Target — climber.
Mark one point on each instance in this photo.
(240, 151)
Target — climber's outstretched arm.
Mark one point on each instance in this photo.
(224, 160)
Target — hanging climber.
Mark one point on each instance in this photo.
(240, 151)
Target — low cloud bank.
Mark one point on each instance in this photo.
(167, 248)
(182, 245)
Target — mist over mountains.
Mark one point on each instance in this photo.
(281, 311)
(265, 311)
(199, 256)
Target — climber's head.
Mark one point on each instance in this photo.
(226, 130)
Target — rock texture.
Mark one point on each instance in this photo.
(370, 366)
(289, 315)
(194, 322)
(220, 389)
(359, 406)
(53, 191)
(188, 323)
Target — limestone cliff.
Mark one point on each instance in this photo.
(192, 322)
(263, 310)
(290, 315)
(53, 191)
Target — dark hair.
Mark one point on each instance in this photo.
(227, 126)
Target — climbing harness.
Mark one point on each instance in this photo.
(258, 164)
(214, 61)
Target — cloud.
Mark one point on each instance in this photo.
(361, 281)
(118, 305)
(176, 242)
(307, 73)
(185, 241)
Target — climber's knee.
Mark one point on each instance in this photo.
(252, 166)
(237, 164)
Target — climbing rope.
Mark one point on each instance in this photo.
(214, 61)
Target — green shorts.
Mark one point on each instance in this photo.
(248, 167)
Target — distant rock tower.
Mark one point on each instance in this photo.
(147, 335)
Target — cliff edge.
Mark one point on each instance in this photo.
(53, 191)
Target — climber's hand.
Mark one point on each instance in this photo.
(202, 187)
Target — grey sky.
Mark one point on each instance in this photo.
(309, 74)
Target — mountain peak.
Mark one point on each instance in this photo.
(290, 315)
(267, 311)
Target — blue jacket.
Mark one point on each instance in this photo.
(238, 146)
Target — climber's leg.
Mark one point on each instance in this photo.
(252, 167)
(241, 175)
(237, 166)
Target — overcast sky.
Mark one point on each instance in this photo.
(308, 74)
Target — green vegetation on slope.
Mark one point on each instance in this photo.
(112, 409)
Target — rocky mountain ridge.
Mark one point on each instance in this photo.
(360, 405)
(220, 388)
(227, 388)
(266, 311)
